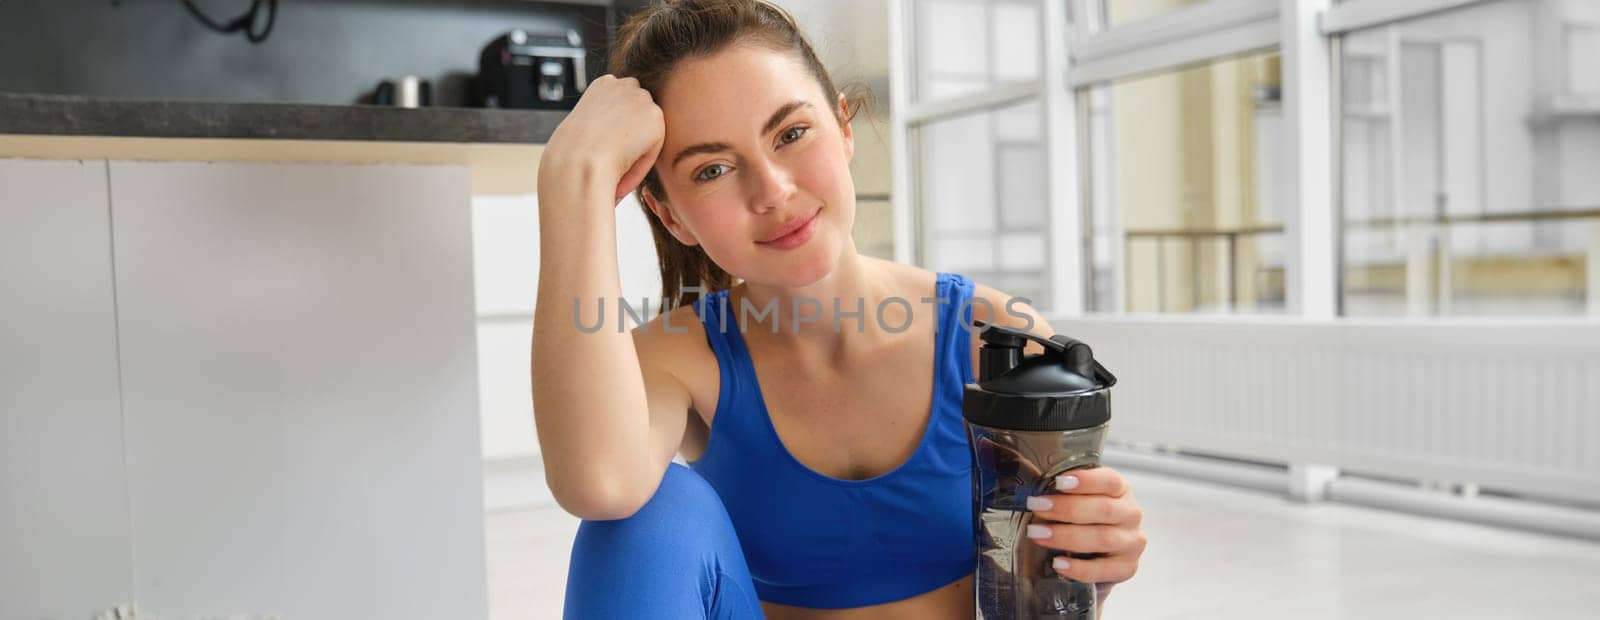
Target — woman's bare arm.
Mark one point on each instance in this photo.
(608, 425)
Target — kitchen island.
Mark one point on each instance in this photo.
(237, 368)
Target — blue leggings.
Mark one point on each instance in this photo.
(678, 557)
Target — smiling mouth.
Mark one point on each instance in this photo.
(790, 228)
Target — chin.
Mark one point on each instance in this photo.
(811, 268)
(805, 265)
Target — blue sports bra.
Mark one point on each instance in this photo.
(816, 541)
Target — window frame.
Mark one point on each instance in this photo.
(1083, 53)
(907, 117)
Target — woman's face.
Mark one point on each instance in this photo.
(752, 150)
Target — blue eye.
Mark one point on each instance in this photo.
(798, 130)
(701, 178)
(792, 135)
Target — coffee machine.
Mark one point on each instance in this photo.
(531, 70)
(1029, 419)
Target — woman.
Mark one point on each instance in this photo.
(830, 476)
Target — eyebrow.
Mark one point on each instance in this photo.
(772, 123)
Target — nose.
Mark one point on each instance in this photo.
(772, 186)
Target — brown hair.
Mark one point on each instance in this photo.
(650, 44)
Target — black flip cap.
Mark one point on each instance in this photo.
(1062, 389)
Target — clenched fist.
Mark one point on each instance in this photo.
(612, 136)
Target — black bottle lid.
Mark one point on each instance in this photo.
(1062, 389)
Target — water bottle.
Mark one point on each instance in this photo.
(1029, 418)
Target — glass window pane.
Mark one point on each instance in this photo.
(965, 254)
(981, 198)
(1021, 186)
(958, 175)
(1180, 190)
(1583, 47)
(1022, 251)
(1468, 146)
(966, 46)
(1014, 37)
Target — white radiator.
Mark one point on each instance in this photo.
(1506, 405)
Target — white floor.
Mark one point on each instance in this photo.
(1221, 552)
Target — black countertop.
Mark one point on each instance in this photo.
(68, 115)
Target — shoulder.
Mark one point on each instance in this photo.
(909, 281)
(1008, 311)
(674, 355)
(988, 304)
(1001, 308)
(673, 341)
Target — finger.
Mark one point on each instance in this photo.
(647, 160)
(1096, 481)
(637, 172)
(1086, 509)
(1110, 569)
(633, 177)
(1087, 538)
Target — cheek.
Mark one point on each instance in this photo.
(825, 173)
(727, 225)
(827, 178)
(721, 226)
(704, 210)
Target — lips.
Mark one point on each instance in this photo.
(789, 227)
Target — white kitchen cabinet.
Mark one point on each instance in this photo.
(299, 389)
(65, 547)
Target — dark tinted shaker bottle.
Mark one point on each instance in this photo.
(1029, 419)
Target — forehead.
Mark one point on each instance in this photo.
(729, 94)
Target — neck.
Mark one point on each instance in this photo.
(857, 283)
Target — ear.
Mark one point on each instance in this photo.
(844, 128)
(669, 218)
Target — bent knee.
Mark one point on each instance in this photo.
(683, 489)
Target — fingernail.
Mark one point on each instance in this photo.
(1038, 531)
(1038, 503)
(1061, 563)
(1066, 483)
